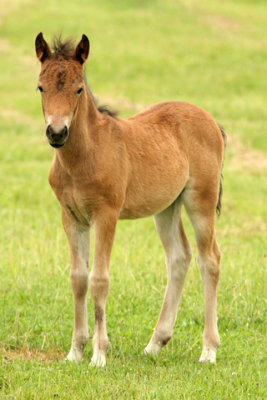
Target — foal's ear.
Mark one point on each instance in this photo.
(41, 47)
(82, 50)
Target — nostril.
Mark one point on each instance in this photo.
(65, 132)
(48, 130)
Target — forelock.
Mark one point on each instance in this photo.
(64, 48)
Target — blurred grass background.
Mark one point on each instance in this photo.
(210, 53)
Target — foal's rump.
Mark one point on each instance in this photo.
(169, 145)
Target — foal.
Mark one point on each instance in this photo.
(106, 168)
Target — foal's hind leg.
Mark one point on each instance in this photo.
(178, 256)
(201, 209)
(78, 237)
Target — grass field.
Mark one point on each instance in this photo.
(210, 53)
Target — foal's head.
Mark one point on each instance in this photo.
(61, 83)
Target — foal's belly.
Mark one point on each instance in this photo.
(152, 196)
(146, 208)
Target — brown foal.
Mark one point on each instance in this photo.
(106, 168)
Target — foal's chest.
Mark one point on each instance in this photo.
(73, 195)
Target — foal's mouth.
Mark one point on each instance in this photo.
(56, 145)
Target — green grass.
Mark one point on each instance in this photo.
(209, 53)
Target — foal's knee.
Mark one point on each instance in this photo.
(99, 285)
(79, 281)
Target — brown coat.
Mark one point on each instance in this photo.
(106, 168)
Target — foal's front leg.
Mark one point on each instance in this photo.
(78, 237)
(104, 227)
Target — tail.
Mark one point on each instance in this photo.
(219, 203)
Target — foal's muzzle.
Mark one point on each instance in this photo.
(57, 136)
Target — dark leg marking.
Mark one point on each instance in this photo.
(99, 314)
(73, 213)
(165, 341)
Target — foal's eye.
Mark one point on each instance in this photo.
(79, 91)
(40, 89)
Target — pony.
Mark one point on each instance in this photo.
(106, 168)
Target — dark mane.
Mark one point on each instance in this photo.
(104, 109)
(63, 48)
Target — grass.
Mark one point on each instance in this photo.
(209, 53)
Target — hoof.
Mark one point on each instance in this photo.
(208, 355)
(74, 356)
(152, 349)
(98, 360)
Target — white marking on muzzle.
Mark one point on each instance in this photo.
(57, 122)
